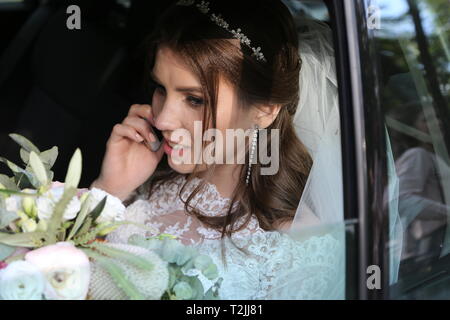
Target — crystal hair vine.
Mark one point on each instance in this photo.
(203, 7)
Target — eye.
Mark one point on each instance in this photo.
(194, 101)
(160, 89)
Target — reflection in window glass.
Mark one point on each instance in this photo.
(414, 57)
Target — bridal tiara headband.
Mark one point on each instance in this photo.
(203, 7)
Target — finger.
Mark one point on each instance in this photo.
(141, 126)
(121, 131)
(141, 110)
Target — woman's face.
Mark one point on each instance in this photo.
(178, 106)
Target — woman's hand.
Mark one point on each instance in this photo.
(128, 160)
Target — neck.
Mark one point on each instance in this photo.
(225, 178)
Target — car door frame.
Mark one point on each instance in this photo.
(363, 148)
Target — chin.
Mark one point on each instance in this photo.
(180, 168)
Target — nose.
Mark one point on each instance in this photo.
(167, 117)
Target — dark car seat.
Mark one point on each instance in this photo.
(72, 86)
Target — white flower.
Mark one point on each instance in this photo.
(46, 204)
(21, 280)
(66, 268)
(13, 203)
(114, 209)
(29, 225)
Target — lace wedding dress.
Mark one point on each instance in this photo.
(275, 266)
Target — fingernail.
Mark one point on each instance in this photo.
(139, 137)
(151, 137)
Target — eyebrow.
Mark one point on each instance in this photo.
(179, 89)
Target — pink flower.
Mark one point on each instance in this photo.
(66, 268)
(3, 265)
(56, 184)
(19, 251)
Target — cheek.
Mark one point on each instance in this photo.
(157, 103)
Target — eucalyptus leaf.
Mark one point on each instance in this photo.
(49, 157)
(11, 165)
(26, 181)
(8, 182)
(197, 287)
(5, 251)
(74, 172)
(24, 142)
(19, 174)
(25, 156)
(38, 168)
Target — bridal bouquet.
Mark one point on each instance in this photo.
(52, 247)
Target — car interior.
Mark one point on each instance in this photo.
(66, 88)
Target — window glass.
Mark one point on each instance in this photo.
(413, 50)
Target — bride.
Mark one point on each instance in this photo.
(230, 65)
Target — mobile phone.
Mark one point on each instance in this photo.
(154, 146)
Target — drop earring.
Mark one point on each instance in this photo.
(252, 152)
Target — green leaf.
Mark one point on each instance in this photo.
(85, 227)
(6, 217)
(213, 292)
(123, 255)
(27, 239)
(74, 172)
(38, 168)
(117, 274)
(17, 193)
(5, 251)
(80, 217)
(24, 142)
(56, 220)
(25, 156)
(197, 287)
(8, 182)
(49, 157)
(50, 175)
(86, 235)
(19, 173)
(98, 209)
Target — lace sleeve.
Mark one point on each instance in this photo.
(302, 270)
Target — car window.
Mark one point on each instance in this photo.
(414, 59)
(321, 226)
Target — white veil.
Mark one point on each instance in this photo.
(318, 227)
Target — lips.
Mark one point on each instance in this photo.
(170, 146)
(174, 144)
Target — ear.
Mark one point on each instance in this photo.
(265, 114)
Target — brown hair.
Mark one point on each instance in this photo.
(208, 51)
